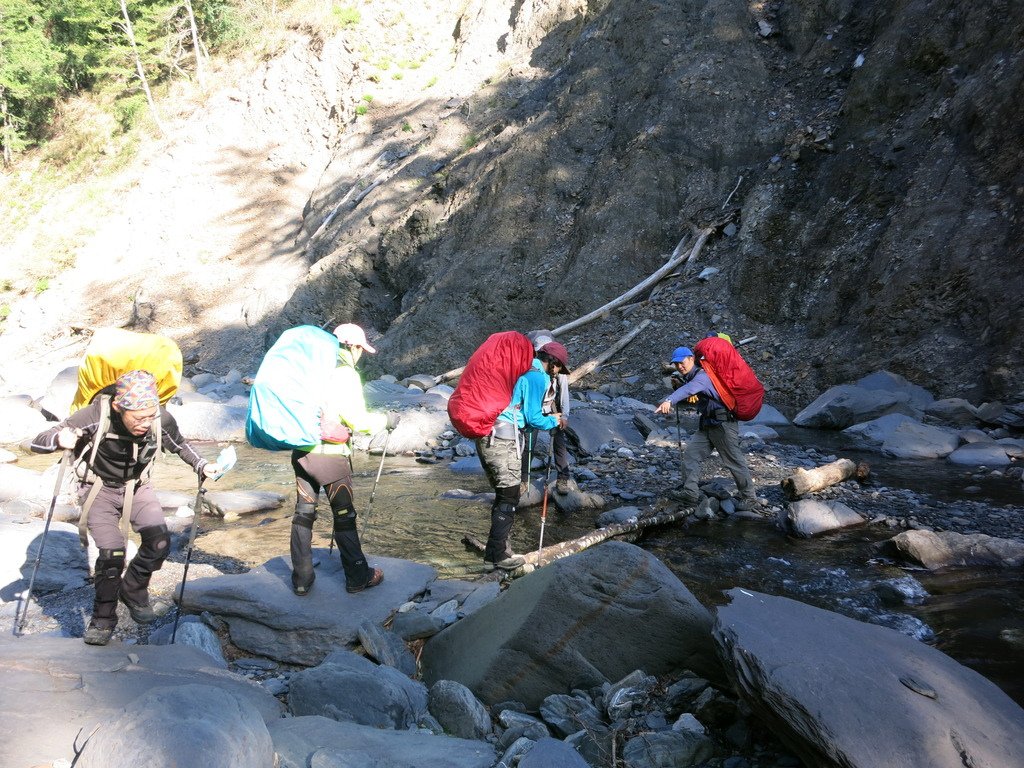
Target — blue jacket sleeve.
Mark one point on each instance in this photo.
(698, 385)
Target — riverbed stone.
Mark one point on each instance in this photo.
(415, 429)
(387, 648)
(182, 725)
(381, 395)
(980, 455)
(300, 741)
(351, 688)
(88, 685)
(63, 565)
(593, 599)
(458, 711)
(19, 421)
(210, 421)
(415, 625)
(953, 410)
(903, 437)
(60, 393)
(233, 504)
(552, 753)
(886, 381)
(768, 416)
(1013, 447)
(591, 429)
(194, 632)
(266, 618)
(810, 517)
(846, 404)
(815, 678)
(944, 549)
(679, 749)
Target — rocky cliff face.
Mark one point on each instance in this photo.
(871, 150)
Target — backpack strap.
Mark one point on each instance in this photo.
(727, 399)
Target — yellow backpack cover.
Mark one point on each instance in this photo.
(113, 351)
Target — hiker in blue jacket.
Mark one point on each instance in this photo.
(717, 429)
(501, 452)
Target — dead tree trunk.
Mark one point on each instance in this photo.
(592, 365)
(805, 481)
(130, 32)
(196, 45)
(566, 548)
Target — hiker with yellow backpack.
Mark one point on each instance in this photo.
(114, 441)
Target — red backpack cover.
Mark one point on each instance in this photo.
(739, 388)
(485, 387)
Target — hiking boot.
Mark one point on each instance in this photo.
(745, 505)
(97, 635)
(510, 563)
(144, 613)
(562, 485)
(301, 589)
(376, 577)
(687, 498)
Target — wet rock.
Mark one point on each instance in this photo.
(813, 675)
(941, 550)
(232, 504)
(458, 711)
(809, 517)
(512, 659)
(617, 516)
(575, 500)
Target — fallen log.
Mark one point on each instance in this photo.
(592, 365)
(676, 259)
(805, 481)
(571, 547)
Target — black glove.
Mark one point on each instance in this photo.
(394, 419)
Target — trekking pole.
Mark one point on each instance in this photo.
(679, 436)
(544, 504)
(373, 492)
(19, 626)
(188, 553)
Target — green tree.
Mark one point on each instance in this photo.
(30, 79)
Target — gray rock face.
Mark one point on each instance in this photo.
(942, 550)
(679, 749)
(809, 517)
(591, 429)
(87, 685)
(458, 711)
(267, 619)
(919, 397)
(846, 404)
(182, 725)
(413, 432)
(902, 437)
(953, 410)
(301, 740)
(63, 566)
(551, 753)
(350, 688)
(841, 692)
(769, 417)
(590, 606)
(387, 648)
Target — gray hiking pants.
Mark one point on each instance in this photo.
(726, 438)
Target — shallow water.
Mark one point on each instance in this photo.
(976, 616)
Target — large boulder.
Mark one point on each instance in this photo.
(319, 741)
(847, 404)
(893, 383)
(57, 689)
(979, 455)
(182, 725)
(218, 422)
(19, 421)
(576, 624)
(953, 410)
(63, 565)
(413, 432)
(590, 429)
(265, 617)
(944, 549)
(841, 692)
(902, 437)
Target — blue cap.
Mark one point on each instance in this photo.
(680, 354)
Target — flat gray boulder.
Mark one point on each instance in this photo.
(769, 417)
(980, 455)
(233, 504)
(89, 685)
(915, 395)
(566, 626)
(591, 429)
(902, 437)
(953, 410)
(841, 692)
(944, 549)
(266, 618)
(182, 725)
(809, 517)
(847, 404)
(319, 741)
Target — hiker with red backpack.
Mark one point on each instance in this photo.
(718, 428)
(556, 402)
(116, 439)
